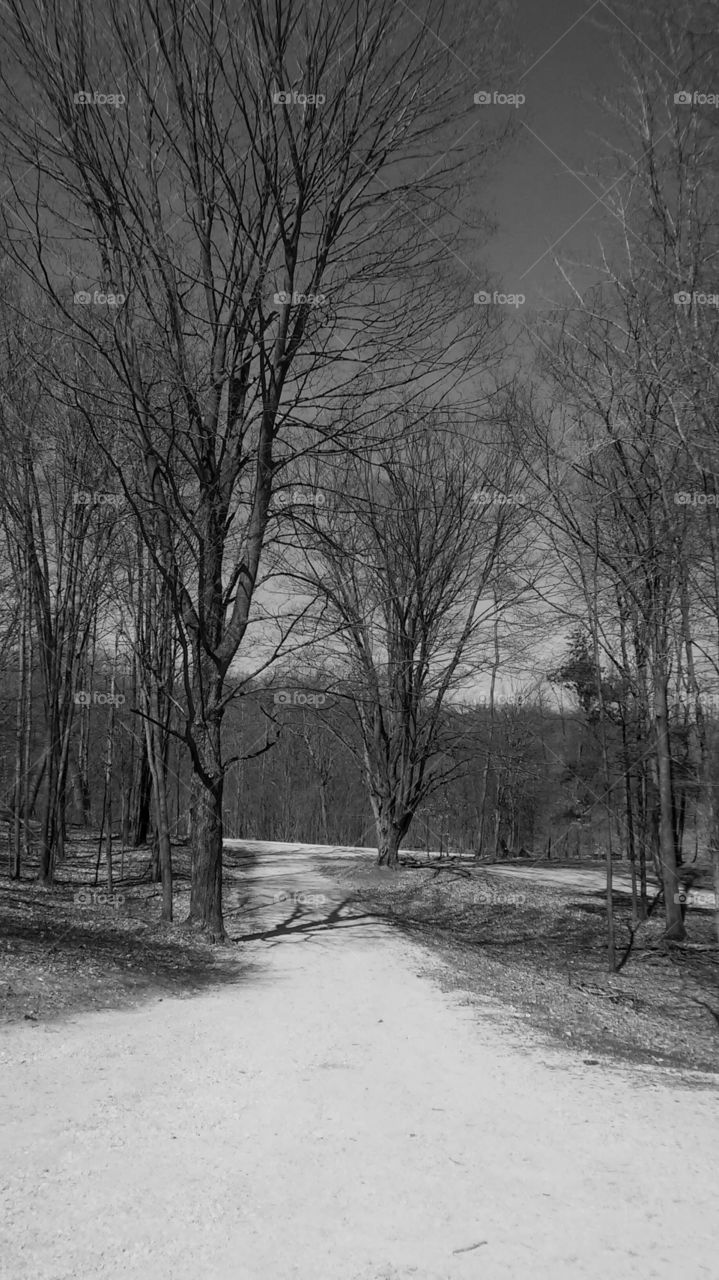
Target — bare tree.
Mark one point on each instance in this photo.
(610, 485)
(264, 189)
(664, 200)
(414, 551)
(61, 538)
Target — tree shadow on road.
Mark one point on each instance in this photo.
(302, 923)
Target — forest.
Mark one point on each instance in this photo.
(305, 539)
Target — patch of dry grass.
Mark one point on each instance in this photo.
(59, 956)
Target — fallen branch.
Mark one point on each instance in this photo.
(692, 946)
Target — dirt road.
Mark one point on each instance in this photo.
(588, 880)
(335, 1116)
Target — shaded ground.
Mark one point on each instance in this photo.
(59, 955)
(541, 950)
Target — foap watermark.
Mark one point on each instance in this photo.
(85, 498)
(299, 698)
(489, 497)
(694, 898)
(497, 299)
(696, 499)
(89, 698)
(685, 299)
(86, 99)
(485, 98)
(98, 899)
(687, 98)
(301, 497)
(291, 98)
(83, 298)
(488, 895)
(295, 299)
(304, 899)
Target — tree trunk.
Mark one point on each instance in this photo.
(107, 796)
(22, 728)
(715, 865)
(206, 797)
(390, 834)
(206, 851)
(667, 847)
(142, 791)
(596, 658)
(161, 841)
(62, 785)
(49, 826)
(83, 767)
(323, 809)
(485, 769)
(714, 842)
(388, 846)
(87, 676)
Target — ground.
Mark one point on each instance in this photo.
(321, 1106)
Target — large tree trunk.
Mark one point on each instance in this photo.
(390, 833)
(141, 796)
(206, 843)
(206, 892)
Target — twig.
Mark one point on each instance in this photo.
(633, 931)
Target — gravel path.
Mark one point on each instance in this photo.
(588, 880)
(336, 1116)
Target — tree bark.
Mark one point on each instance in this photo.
(107, 796)
(22, 727)
(485, 769)
(390, 833)
(159, 792)
(667, 848)
(206, 792)
(142, 792)
(206, 893)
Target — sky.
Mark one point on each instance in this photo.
(538, 193)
